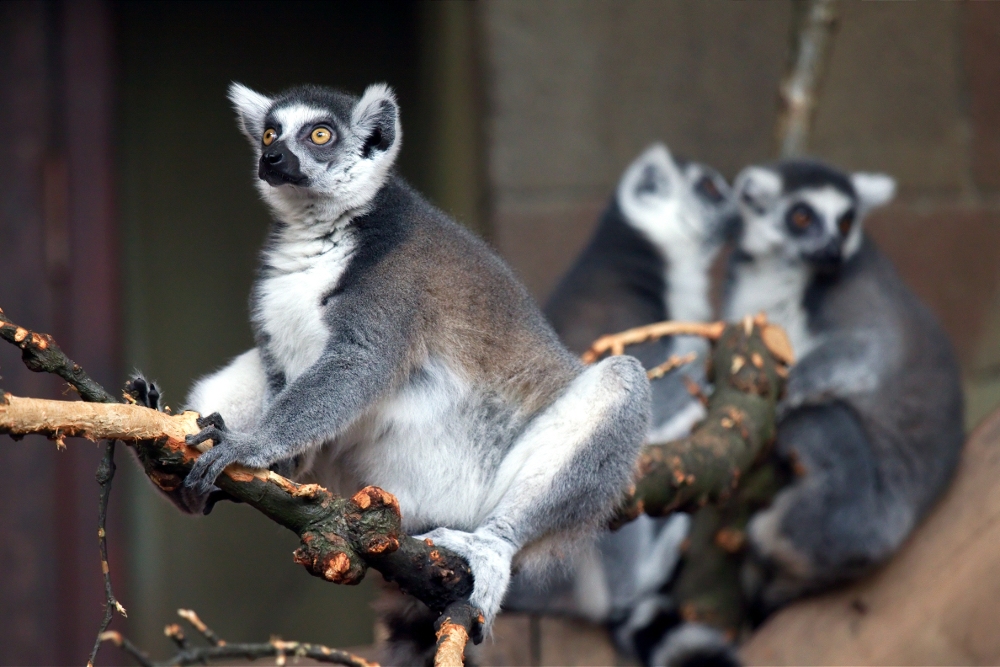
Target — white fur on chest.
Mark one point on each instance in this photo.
(688, 282)
(775, 287)
(289, 307)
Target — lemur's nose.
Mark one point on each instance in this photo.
(273, 157)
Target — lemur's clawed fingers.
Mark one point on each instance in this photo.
(208, 432)
(144, 392)
(201, 480)
(214, 419)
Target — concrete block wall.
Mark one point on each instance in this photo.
(576, 90)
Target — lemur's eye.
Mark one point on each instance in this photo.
(708, 189)
(269, 136)
(845, 223)
(321, 135)
(800, 218)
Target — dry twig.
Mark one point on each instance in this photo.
(41, 355)
(220, 650)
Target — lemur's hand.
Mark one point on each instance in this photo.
(144, 392)
(230, 447)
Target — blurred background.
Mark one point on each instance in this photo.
(129, 226)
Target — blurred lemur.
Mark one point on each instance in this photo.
(648, 261)
(872, 418)
(395, 348)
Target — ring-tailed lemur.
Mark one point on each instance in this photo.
(648, 261)
(872, 417)
(395, 349)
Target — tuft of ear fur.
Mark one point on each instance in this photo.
(758, 188)
(376, 117)
(251, 108)
(654, 172)
(873, 189)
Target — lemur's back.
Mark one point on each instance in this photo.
(617, 283)
(475, 312)
(916, 364)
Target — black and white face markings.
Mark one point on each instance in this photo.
(806, 211)
(330, 152)
(676, 203)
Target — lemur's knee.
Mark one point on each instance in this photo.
(617, 397)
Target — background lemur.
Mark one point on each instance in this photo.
(872, 418)
(394, 348)
(648, 261)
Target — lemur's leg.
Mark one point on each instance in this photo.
(236, 392)
(836, 520)
(565, 473)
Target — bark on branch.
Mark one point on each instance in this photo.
(342, 537)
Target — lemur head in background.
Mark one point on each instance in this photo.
(676, 203)
(320, 153)
(802, 210)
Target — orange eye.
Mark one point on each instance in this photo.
(800, 219)
(269, 136)
(321, 135)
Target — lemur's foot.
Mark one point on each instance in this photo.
(144, 392)
(489, 557)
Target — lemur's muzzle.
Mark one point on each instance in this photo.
(829, 258)
(280, 166)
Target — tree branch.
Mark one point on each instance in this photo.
(41, 355)
(221, 650)
(340, 537)
(813, 26)
(707, 465)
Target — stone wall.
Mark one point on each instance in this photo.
(576, 90)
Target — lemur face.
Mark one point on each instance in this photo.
(676, 204)
(807, 211)
(319, 152)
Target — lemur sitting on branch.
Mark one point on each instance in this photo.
(394, 348)
(648, 261)
(872, 418)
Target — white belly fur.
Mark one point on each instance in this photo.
(429, 445)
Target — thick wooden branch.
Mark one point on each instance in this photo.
(341, 537)
(748, 366)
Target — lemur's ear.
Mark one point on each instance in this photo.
(376, 118)
(758, 189)
(251, 108)
(873, 190)
(653, 174)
